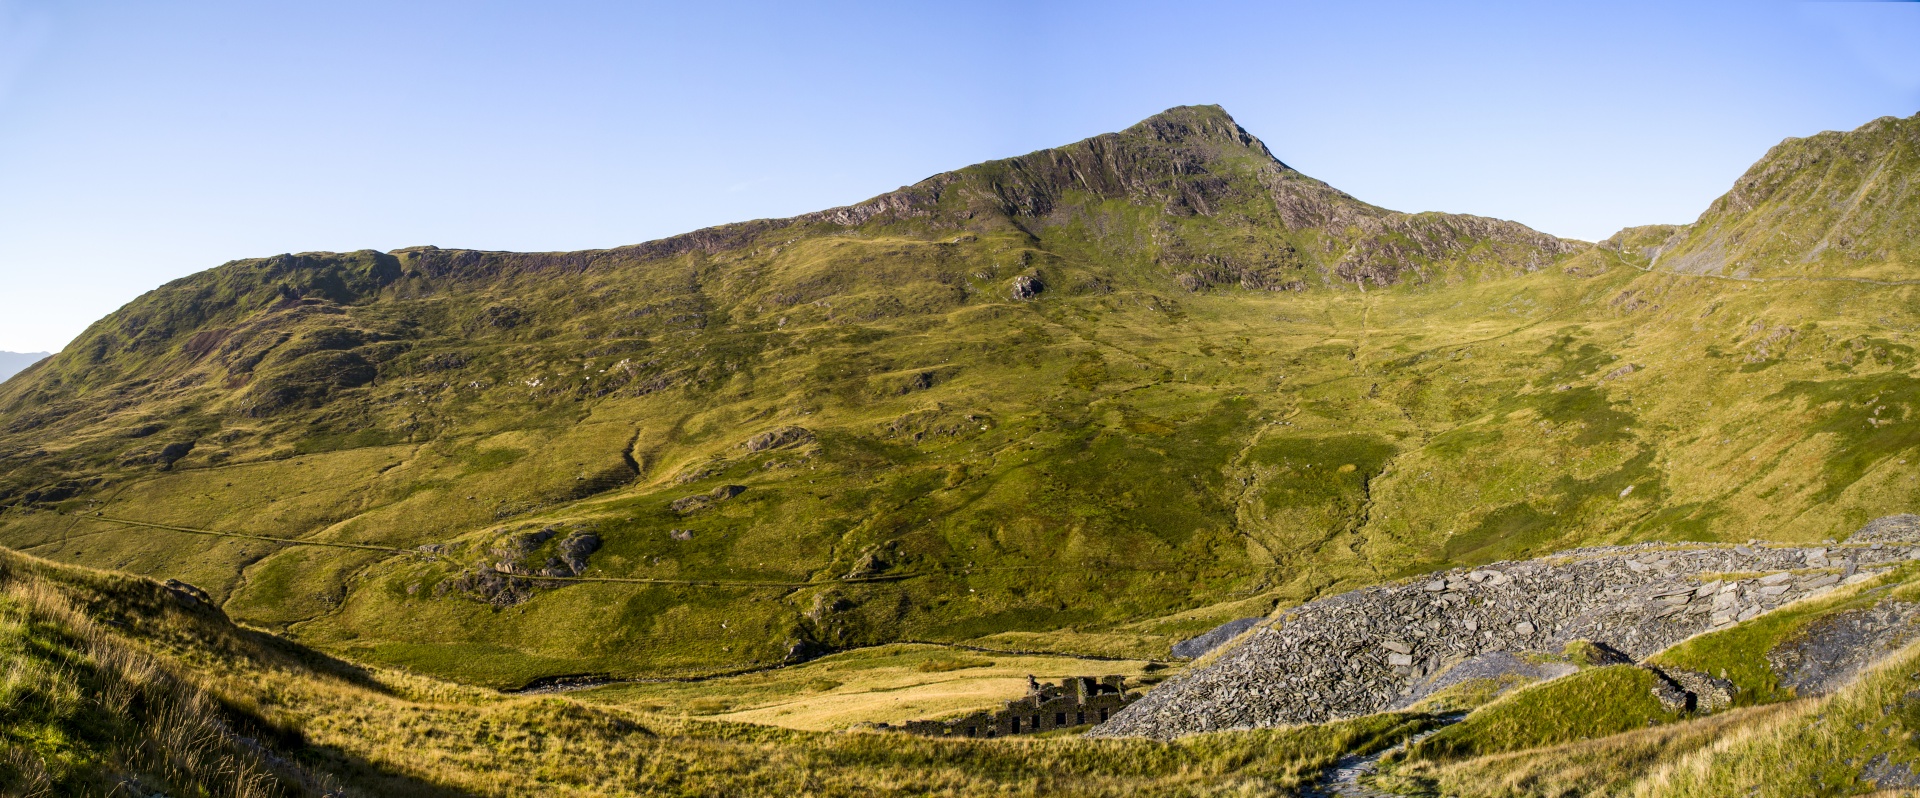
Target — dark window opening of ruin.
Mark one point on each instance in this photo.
(1059, 718)
(1080, 718)
(1103, 716)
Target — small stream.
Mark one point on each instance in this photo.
(1343, 779)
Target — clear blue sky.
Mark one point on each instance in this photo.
(143, 141)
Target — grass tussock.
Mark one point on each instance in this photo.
(84, 712)
(1590, 704)
(1862, 738)
(1607, 766)
(947, 664)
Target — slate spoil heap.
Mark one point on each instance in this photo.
(1375, 648)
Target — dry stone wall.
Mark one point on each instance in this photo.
(1366, 650)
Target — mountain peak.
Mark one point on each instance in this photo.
(1184, 124)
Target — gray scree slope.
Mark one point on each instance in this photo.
(1363, 651)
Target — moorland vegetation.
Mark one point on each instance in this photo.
(1048, 413)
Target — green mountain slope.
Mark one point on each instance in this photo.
(1091, 399)
(1834, 204)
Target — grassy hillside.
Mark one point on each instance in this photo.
(118, 683)
(1830, 205)
(1086, 401)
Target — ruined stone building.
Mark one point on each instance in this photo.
(1077, 701)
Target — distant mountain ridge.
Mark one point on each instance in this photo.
(12, 363)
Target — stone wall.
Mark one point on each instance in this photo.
(1078, 701)
(1366, 650)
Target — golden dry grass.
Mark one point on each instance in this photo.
(82, 711)
(885, 684)
(373, 732)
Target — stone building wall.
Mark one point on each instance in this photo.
(1077, 701)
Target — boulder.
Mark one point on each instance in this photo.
(1027, 286)
(778, 438)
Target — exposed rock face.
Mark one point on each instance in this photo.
(687, 505)
(1027, 286)
(1197, 162)
(1364, 651)
(777, 438)
(575, 550)
(510, 578)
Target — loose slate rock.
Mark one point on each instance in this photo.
(1326, 659)
(1194, 647)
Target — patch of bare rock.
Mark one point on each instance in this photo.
(1385, 646)
(509, 575)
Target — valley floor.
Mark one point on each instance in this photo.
(120, 685)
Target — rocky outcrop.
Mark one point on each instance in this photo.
(777, 438)
(688, 505)
(510, 576)
(1027, 286)
(1366, 650)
